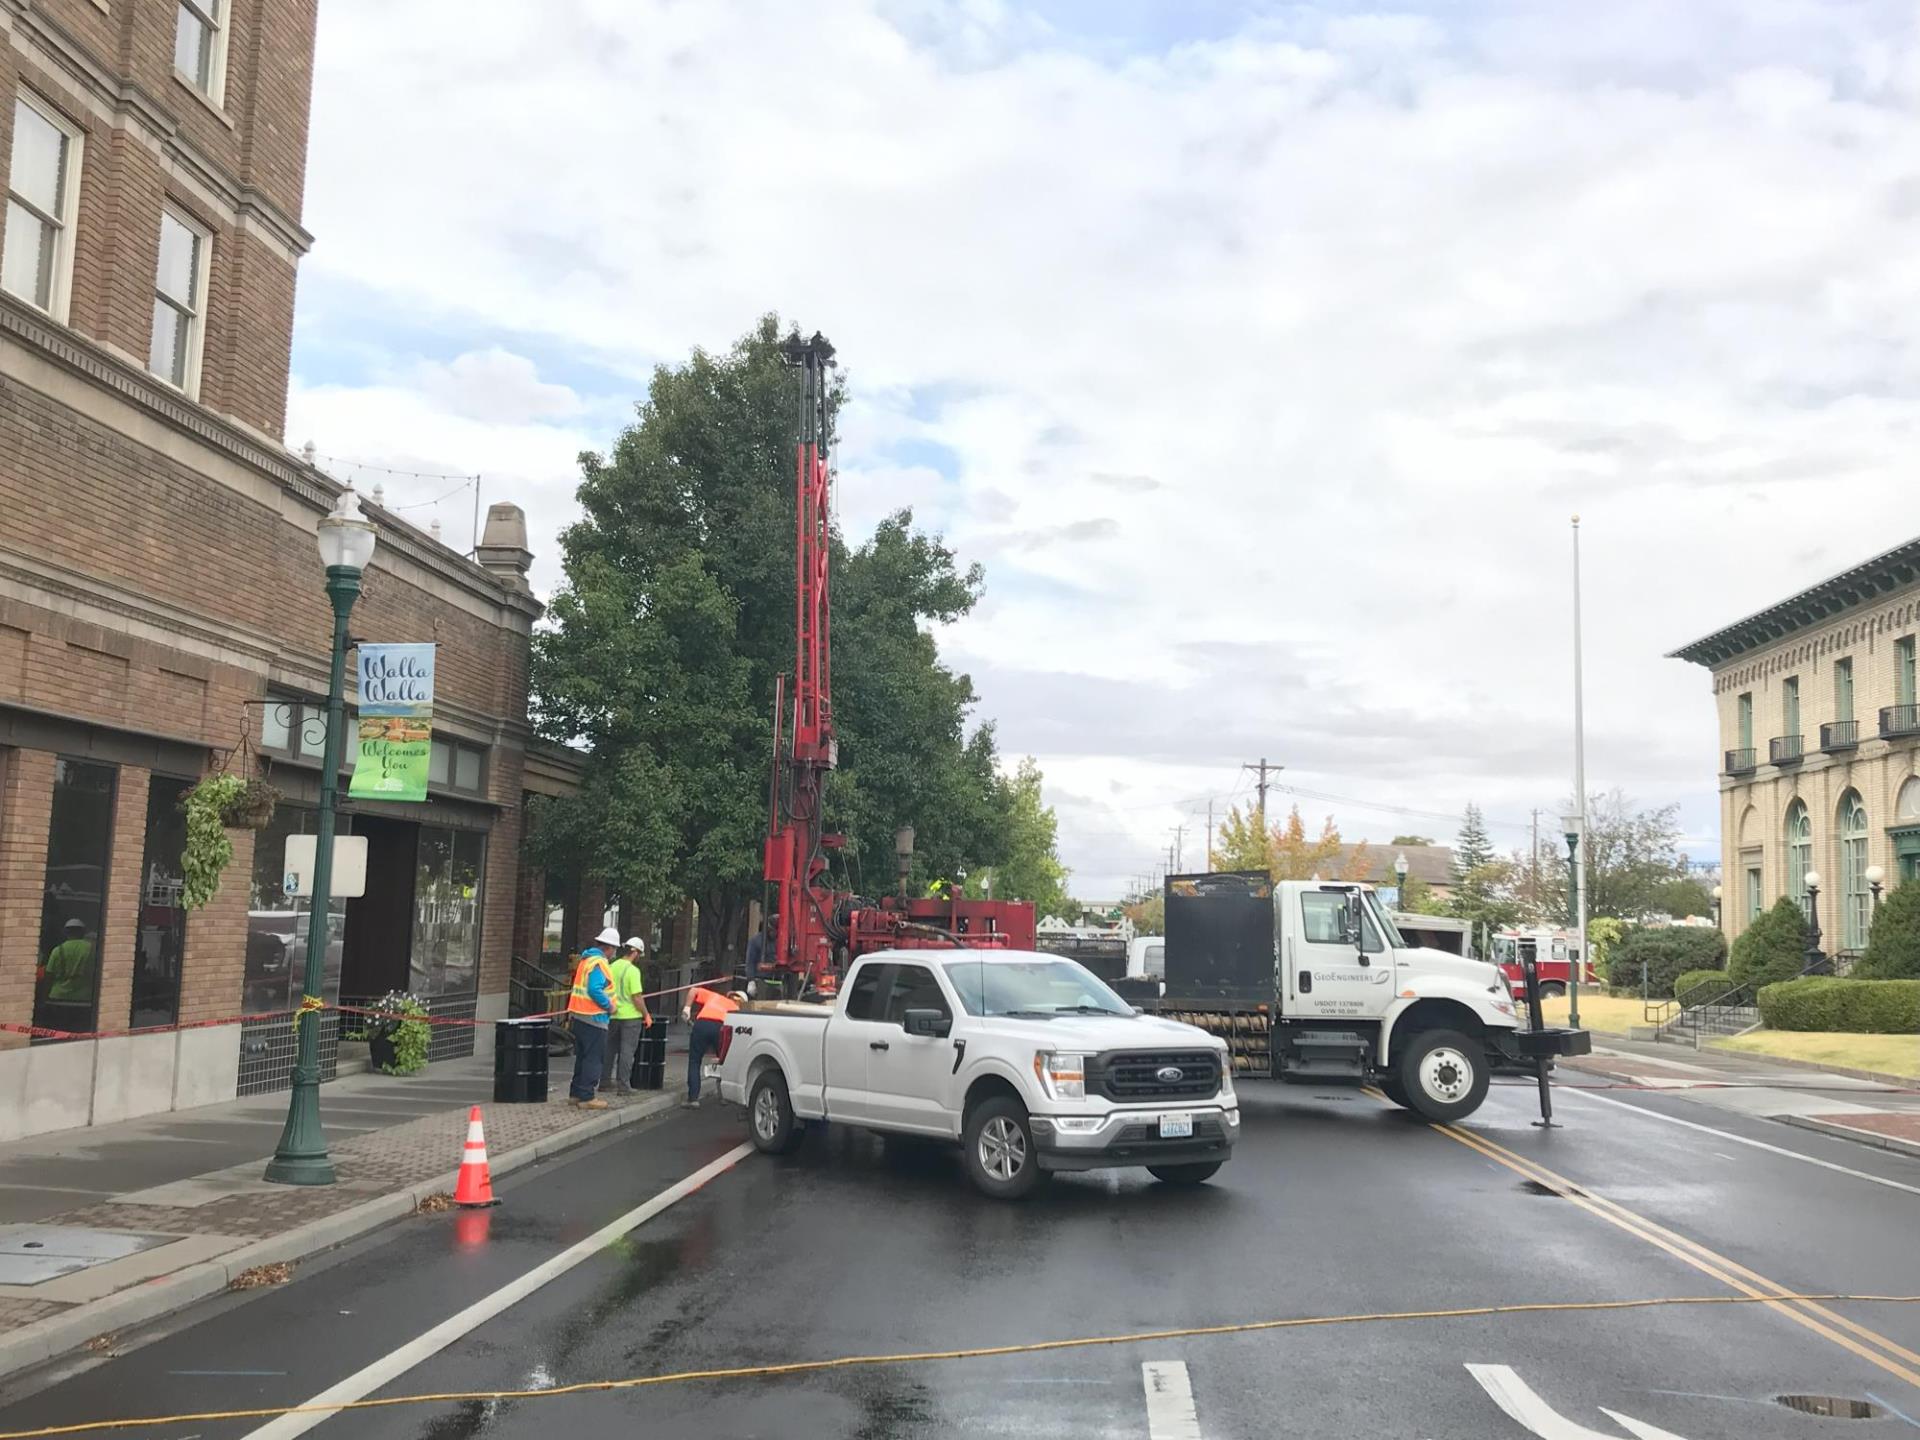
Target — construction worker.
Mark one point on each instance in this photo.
(940, 890)
(589, 1008)
(707, 1009)
(630, 1015)
(69, 968)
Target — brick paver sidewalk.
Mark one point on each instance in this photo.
(234, 1217)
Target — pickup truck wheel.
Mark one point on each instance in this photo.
(1396, 1092)
(1002, 1160)
(1184, 1174)
(770, 1115)
(1552, 989)
(1444, 1075)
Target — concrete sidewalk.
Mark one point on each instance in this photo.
(183, 1193)
(1881, 1111)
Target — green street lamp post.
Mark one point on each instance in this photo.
(1572, 826)
(346, 542)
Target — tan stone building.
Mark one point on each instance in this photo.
(1819, 745)
(161, 602)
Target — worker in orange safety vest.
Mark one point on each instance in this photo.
(708, 1009)
(588, 1009)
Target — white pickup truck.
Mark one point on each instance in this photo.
(1027, 1060)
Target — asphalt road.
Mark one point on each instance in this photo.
(1335, 1205)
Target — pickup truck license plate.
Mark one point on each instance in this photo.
(1176, 1127)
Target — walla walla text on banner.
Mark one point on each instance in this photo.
(396, 722)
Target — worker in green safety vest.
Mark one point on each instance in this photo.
(69, 968)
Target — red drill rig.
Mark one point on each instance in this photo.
(818, 929)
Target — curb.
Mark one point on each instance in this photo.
(1859, 1137)
(141, 1304)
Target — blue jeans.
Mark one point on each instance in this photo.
(705, 1038)
(589, 1055)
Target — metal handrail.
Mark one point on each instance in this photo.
(1787, 749)
(1897, 720)
(1840, 735)
(1742, 762)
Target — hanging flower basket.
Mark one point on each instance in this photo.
(252, 808)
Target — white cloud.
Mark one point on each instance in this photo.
(1375, 303)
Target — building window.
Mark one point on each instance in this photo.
(446, 912)
(1903, 678)
(73, 902)
(179, 298)
(1799, 853)
(277, 923)
(200, 47)
(36, 264)
(457, 766)
(1756, 893)
(161, 939)
(1790, 705)
(1856, 903)
(1745, 741)
(1843, 690)
(298, 729)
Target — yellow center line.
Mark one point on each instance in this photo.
(1699, 1257)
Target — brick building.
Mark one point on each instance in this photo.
(161, 609)
(1820, 745)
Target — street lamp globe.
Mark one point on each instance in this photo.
(1400, 868)
(1716, 894)
(1570, 827)
(1813, 879)
(1875, 875)
(346, 536)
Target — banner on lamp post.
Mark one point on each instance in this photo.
(396, 723)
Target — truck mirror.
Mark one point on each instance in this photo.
(932, 1023)
(1354, 932)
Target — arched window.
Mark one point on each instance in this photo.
(1908, 806)
(1856, 905)
(1799, 852)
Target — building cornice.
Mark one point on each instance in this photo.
(311, 488)
(1814, 606)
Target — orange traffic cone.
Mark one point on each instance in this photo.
(474, 1188)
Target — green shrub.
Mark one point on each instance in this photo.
(1772, 948)
(1701, 987)
(1893, 949)
(1667, 952)
(1824, 1002)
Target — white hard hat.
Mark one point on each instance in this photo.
(634, 942)
(608, 936)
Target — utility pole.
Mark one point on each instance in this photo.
(1209, 836)
(1260, 785)
(1578, 878)
(1179, 851)
(1533, 868)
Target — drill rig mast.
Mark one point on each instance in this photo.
(813, 923)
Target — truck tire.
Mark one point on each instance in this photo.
(770, 1115)
(1444, 1075)
(1552, 989)
(997, 1142)
(1396, 1092)
(1197, 1174)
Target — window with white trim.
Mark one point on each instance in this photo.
(179, 302)
(43, 191)
(200, 47)
(1856, 901)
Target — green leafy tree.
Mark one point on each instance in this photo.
(1773, 947)
(1487, 895)
(1471, 848)
(676, 617)
(1893, 947)
(1030, 868)
(1413, 840)
(1632, 858)
(1681, 897)
(1149, 914)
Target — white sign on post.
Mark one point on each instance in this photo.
(349, 866)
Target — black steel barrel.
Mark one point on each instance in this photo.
(650, 1060)
(520, 1062)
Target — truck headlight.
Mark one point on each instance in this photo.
(1226, 1077)
(1062, 1074)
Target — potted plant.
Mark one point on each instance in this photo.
(397, 1035)
(251, 807)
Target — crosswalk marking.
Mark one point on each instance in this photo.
(1170, 1413)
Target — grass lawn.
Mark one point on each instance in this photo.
(1609, 1013)
(1887, 1054)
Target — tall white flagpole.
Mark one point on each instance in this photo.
(1579, 790)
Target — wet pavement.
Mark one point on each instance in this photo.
(1335, 1205)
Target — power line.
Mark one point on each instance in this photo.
(1322, 795)
(390, 470)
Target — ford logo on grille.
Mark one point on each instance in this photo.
(1169, 1074)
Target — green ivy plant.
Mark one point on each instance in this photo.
(209, 850)
(398, 1024)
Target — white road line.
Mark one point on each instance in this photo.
(1742, 1140)
(382, 1372)
(1170, 1414)
(1517, 1399)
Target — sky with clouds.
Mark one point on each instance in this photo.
(1261, 353)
